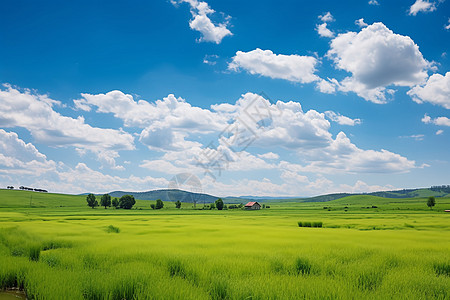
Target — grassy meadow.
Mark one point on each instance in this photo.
(56, 247)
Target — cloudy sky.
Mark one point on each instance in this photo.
(286, 98)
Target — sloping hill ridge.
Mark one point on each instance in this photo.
(443, 191)
(184, 196)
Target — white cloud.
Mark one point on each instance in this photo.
(293, 68)
(421, 6)
(210, 59)
(202, 23)
(341, 155)
(417, 137)
(36, 114)
(373, 2)
(328, 86)
(342, 120)
(323, 31)
(20, 158)
(307, 133)
(328, 17)
(439, 121)
(166, 123)
(269, 155)
(447, 26)
(376, 57)
(25, 165)
(84, 179)
(436, 91)
(251, 121)
(361, 23)
(439, 132)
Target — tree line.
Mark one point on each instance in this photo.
(10, 187)
(128, 201)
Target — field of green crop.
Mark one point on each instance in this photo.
(55, 247)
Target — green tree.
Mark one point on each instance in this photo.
(212, 206)
(152, 206)
(91, 202)
(431, 202)
(105, 200)
(219, 204)
(126, 202)
(159, 204)
(178, 204)
(115, 203)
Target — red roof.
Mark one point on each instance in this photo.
(251, 204)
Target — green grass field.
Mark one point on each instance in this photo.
(368, 248)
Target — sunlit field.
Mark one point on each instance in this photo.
(56, 247)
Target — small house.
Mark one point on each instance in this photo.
(252, 206)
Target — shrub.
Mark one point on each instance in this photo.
(152, 206)
(302, 266)
(317, 224)
(267, 206)
(112, 229)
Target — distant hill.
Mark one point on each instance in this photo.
(439, 191)
(184, 196)
(168, 195)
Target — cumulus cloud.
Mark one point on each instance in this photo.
(20, 158)
(295, 68)
(342, 120)
(328, 86)
(447, 26)
(344, 156)
(374, 2)
(166, 123)
(377, 58)
(322, 29)
(36, 113)
(308, 134)
(269, 155)
(436, 91)
(439, 121)
(252, 121)
(202, 23)
(439, 132)
(421, 6)
(361, 23)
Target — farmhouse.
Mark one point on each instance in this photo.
(252, 206)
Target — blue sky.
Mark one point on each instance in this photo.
(275, 98)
